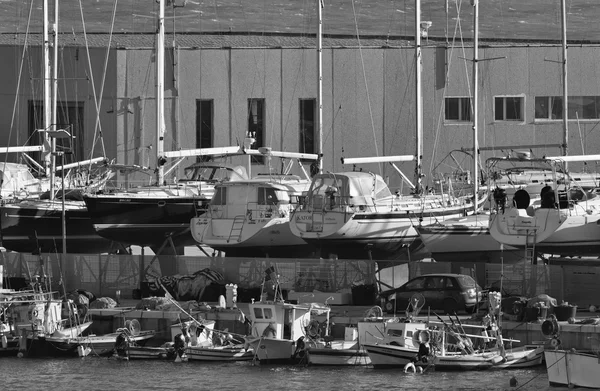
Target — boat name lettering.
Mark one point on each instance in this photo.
(305, 218)
(124, 200)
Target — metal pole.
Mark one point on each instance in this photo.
(320, 6)
(64, 219)
(418, 93)
(475, 104)
(160, 76)
(565, 85)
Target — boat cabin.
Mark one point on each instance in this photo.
(254, 199)
(18, 181)
(328, 191)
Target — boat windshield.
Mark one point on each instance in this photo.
(199, 172)
(362, 189)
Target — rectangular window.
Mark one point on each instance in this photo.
(70, 118)
(204, 125)
(548, 107)
(220, 196)
(579, 107)
(458, 109)
(308, 123)
(258, 314)
(256, 124)
(508, 108)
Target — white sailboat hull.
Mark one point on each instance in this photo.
(552, 231)
(217, 233)
(467, 237)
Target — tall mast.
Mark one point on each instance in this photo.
(475, 103)
(563, 14)
(320, 6)
(47, 102)
(160, 81)
(418, 93)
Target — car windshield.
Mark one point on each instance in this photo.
(466, 281)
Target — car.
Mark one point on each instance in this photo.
(446, 292)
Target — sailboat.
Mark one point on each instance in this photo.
(251, 217)
(53, 223)
(469, 237)
(354, 214)
(152, 216)
(566, 221)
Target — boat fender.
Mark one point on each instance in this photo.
(555, 342)
(410, 367)
(4, 342)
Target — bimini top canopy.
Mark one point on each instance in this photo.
(361, 188)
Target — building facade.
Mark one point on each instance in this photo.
(220, 87)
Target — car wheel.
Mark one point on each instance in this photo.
(390, 306)
(450, 306)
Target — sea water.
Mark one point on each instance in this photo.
(94, 373)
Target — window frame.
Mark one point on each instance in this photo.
(461, 101)
(205, 128)
(307, 133)
(256, 125)
(504, 98)
(571, 101)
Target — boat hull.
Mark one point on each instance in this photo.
(36, 226)
(356, 235)
(143, 221)
(556, 232)
(396, 356)
(98, 345)
(223, 353)
(387, 356)
(274, 351)
(572, 369)
(468, 240)
(148, 353)
(261, 237)
(341, 355)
